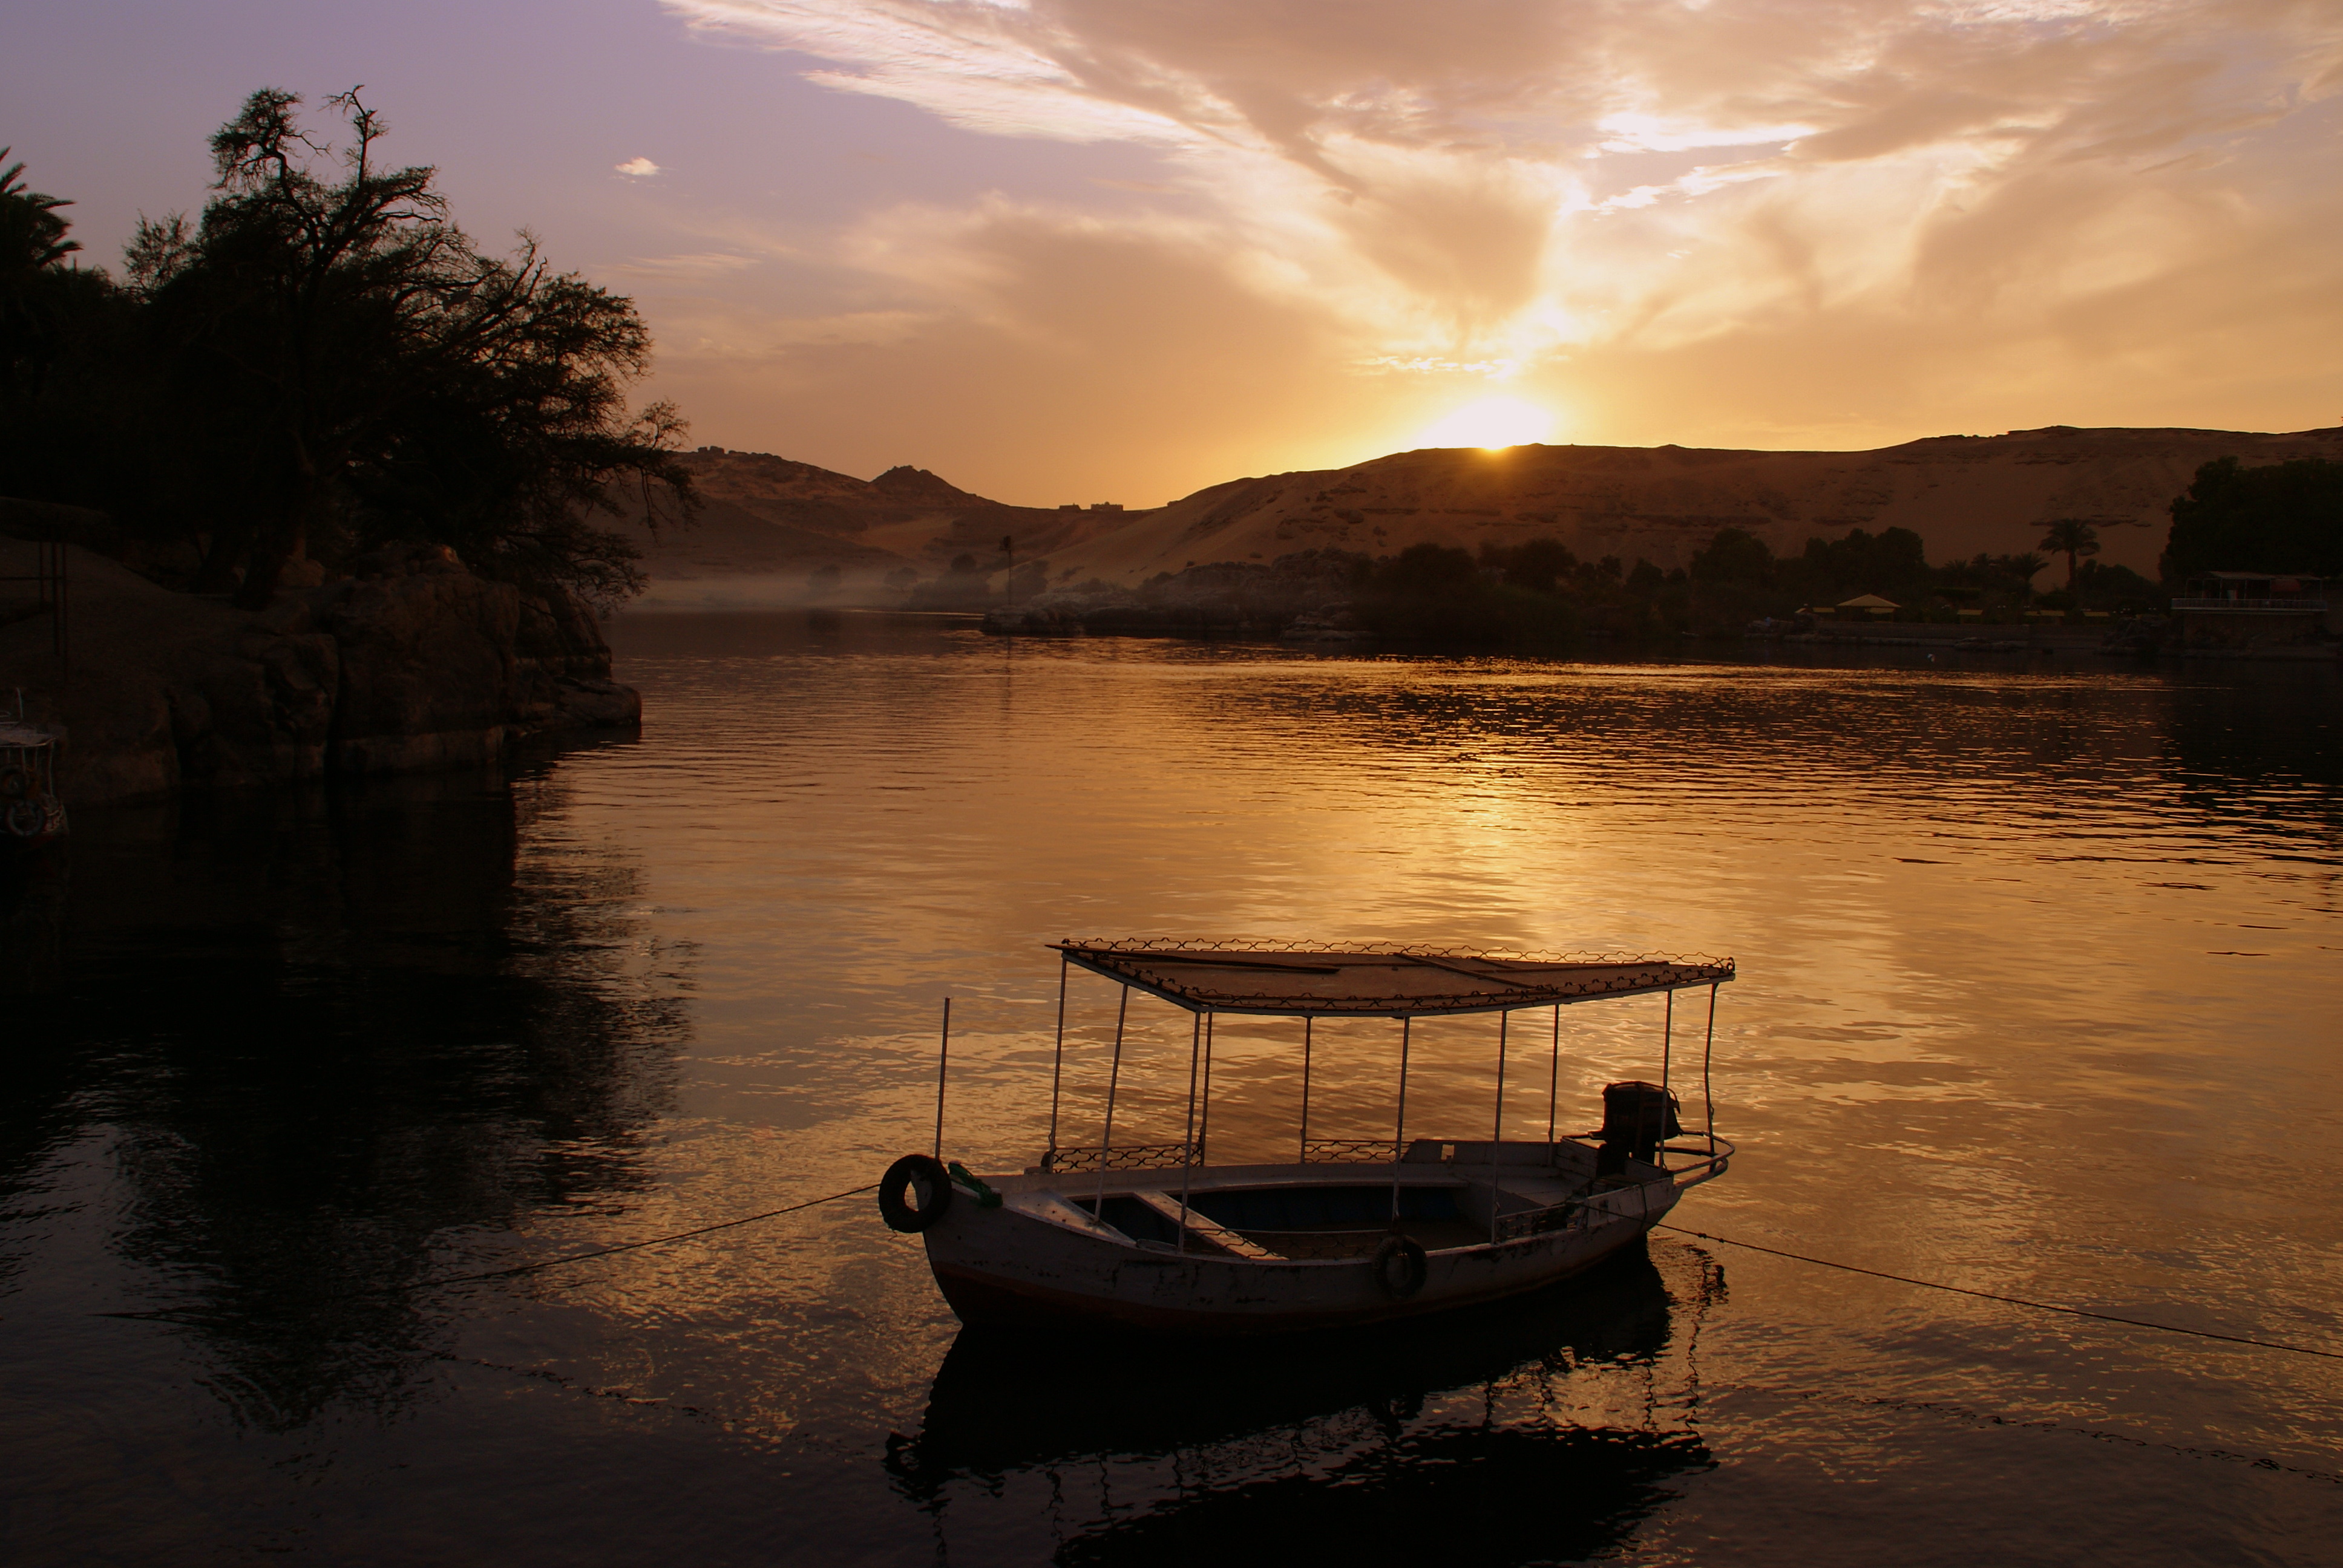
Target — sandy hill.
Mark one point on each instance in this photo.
(770, 516)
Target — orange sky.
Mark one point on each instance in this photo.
(1119, 249)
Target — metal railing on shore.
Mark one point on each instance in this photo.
(2307, 606)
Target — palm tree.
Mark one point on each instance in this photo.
(2071, 537)
(2023, 567)
(31, 243)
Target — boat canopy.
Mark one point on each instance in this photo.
(1298, 978)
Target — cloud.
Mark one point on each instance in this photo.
(638, 168)
(1546, 188)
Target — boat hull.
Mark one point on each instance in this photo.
(1038, 1259)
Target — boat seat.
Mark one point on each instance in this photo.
(1211, 1231)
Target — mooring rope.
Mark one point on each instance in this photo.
(2012, 1301)
(638, 1246)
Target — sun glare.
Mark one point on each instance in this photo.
(1492, 423)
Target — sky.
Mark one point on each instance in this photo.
(1085, 250)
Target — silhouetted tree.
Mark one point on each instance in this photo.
(1733, 556)
(2280, 518)
(386, 378)
(33, 244)
(1536, 566)
(2025, 567)
(2071, 537)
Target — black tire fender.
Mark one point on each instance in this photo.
(914, 1194)
(26, 819)
(1399, 1267)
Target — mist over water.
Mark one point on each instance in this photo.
(2038, 996)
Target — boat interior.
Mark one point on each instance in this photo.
(1448, 1195)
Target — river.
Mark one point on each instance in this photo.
(2038, 996)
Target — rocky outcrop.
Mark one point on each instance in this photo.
(411, 664)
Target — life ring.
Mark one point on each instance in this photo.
(26, 819)
(1400, 1268)
(14, 783)
(914, 1194)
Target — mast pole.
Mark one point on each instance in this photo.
(1188, 1153)
(943, 1058)
(1058, 1067)
(1399, 1131)
(1113, 1079)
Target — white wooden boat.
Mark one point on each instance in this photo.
(1156, 1237)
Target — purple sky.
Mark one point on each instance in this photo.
(1119, 249)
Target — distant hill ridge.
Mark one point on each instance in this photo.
(1962, 494)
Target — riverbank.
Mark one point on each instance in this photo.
(412, 663)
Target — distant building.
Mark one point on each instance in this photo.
(2252, 609)
(1866, 604)
(1071, 506)
(1106, 505)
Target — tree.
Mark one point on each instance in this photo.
(1733, 554)
(2072, 538)
(32, 243)
(1536, 566)
(2279, 517)
(386, 378)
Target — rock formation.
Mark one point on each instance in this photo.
(411, 663)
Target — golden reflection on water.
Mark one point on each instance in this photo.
(1995, 1023)
(2037, 995)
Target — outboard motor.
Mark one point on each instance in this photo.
(1637, 1118)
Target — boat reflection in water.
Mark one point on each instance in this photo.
(1540, 1428)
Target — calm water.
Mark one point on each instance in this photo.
(2039, 996)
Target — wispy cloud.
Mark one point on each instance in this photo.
(1495, 184)
(638, 168)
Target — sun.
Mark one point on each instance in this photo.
(1492, 423)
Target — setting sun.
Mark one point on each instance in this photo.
(1491, 423)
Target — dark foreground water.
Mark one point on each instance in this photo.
(2040, 996)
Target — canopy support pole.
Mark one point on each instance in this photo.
(1205, 1117)
(1667, 1050)
(1188, 1153)
(1399, 1131)
(1113, 1080)
(1554, 1083)
(1497, 1132)
(943, 1058)
(1058, 1069)
(1708, 1048)
(1302, 1155)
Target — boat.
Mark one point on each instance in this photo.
(1157, 1238)
(31, 814)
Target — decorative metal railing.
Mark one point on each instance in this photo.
(2309, 606)
(1347, 1151)
(1125, 1157)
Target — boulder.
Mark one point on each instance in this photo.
(411, 664)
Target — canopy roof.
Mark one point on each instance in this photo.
(1297, 978)
(1868, 601)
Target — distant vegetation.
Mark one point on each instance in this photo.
(323, 364)
(1540, 593)
(2282, 518)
